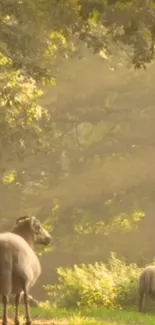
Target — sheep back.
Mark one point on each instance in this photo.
(19, 265)
(147, 279)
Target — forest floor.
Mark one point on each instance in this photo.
(49, 316)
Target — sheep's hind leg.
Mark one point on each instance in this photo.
(27, 308)
(17, 301)
(5, 310)
(143, 302)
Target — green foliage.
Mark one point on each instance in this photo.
(125, 279)
(26, 29)
(83, 286)
(97, 285)
(29, 43)
(20, 116)
(127, 24)
(122, 222)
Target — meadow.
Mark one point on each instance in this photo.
(99, 294)
(47, 315)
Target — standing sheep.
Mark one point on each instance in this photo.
(19, 265)
(146, 286)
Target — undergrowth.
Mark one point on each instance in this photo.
(113, 285)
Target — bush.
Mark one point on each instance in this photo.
(125, 278)
(114, 285)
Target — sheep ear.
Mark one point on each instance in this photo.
(32, 220)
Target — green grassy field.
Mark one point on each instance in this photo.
(45, 314)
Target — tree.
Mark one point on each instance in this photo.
(32, 41)
(59, 160)
(29, 43)
(127, 24)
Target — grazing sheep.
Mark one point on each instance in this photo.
(19, 265)
(146, 286)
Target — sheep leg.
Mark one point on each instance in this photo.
(27, 308)
(17, 300)
(142, 302)
(141, 299)
(5, 310)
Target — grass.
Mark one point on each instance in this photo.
(46, 315)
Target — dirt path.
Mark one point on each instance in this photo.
(50, 322)
(42, 322)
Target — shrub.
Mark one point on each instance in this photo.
(114, 285)
(125, 278)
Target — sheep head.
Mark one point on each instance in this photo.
(31, 227)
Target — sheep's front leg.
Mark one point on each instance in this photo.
(5, 310)
(17, 301)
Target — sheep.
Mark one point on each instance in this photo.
(146, 286)
(19, 265)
